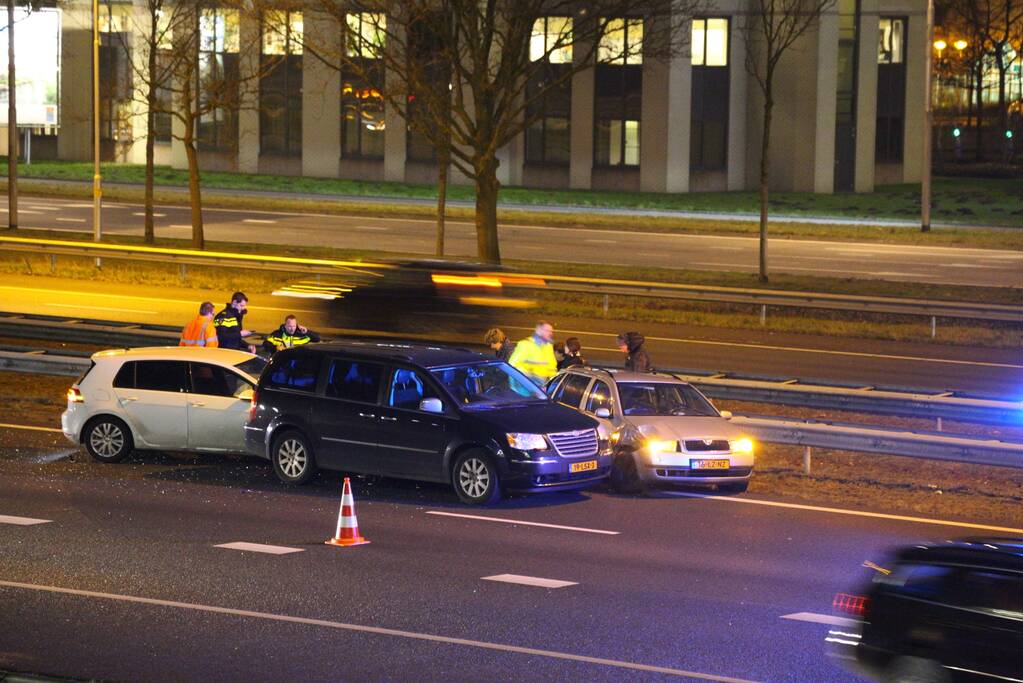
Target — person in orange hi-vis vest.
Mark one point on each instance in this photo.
(201, 331)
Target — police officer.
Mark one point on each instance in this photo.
(228, 322)
(289, 334)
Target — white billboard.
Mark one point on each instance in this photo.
(37, 66)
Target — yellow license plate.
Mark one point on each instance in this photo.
(583, 466)
(709, 464)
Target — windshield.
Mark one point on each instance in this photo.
(252, 367)
(663, 399)
(492, 385)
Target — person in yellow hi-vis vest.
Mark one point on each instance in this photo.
(201, 332)
(534, 355)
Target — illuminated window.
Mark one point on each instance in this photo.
(218, 78)
(621, 42)
(365, 35)
(282, 33)
(891, 91)
(280, 89)
(362, 82)
(710, 42)
(708, 144)
(891, 43)
(551, 38)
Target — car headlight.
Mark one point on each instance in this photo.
(743, 445)
(656, 446)
(527, 442)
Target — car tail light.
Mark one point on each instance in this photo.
(253, 404)
(75, 396)
(855, 605)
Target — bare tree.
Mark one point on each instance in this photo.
(769, 31)
(494, 54)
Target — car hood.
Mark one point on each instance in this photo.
(536, 418)
(682, 428)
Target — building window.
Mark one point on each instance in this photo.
(115, 74)
(891, 91)
(425, 44)
(549, 92)
(618, 93)
(362, 105)
(708, 145)
(218, 79)
(280, 89)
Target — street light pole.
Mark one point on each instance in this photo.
(97, 193)
(12, 125)
(925, 180)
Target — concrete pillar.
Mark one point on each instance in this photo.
(140, 56)
(395, 135)
(917, 51)
(738, 106)
(653, 129)
(580, 168)
(827, 89)
(248, 93)
(866, 96)
(74, 139)
(321, 98)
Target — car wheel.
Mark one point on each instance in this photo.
(108, 439)
(475, 479)
(625, 474)
(739, 487)
(915, 670)
(292, 458)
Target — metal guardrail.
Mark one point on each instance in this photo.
(763, 298)
(857, 438)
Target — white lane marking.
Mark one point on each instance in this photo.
(71, 220)
(530, 581)
(815, 618)
(155, 215)
(482, 518)
(20, 211)
(80, 206)
(375, 228)
(22, 521)
(45, 208)
(261, 221)
(769, 347)
(181, 225)
(601, 241)
(259, 548)
(852, 513)
(103, 308)
(375, 630)
(30, 428)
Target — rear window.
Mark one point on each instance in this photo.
(252, 367)
(295, 372)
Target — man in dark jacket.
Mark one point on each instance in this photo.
(636, 357)
(228, 322)
(289, 334)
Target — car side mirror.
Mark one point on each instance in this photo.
(246, 395)
(431, 405)
(603, 413)
(727, 414)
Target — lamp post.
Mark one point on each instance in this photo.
(925, 180)
(97, 193)
(12, 125)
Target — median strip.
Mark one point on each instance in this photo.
(482, 518)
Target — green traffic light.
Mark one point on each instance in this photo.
(1008, 134)
(956, 132)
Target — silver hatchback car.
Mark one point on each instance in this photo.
(666, 433)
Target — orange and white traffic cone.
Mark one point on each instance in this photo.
(347, 526)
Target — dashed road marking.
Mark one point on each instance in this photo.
(379, 631)
(259, 548)
(483, 518)
(601, 241)
(815, 618)
(22, 521)
(530, 581)
(374, 228)
(155, 215)
(261, 221)
(71, 220)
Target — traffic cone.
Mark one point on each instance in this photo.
(347, 526)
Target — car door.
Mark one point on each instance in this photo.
(154, 397)
(218, 407)
(571, 391)
(412, 442)
(985, 621)
(347, 418)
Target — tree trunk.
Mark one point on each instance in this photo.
(12, 126)
(765, 149)
(442, 197)
(1003, 111)
(194, 192)
(487, 188)
(979, 132)
(150, 234)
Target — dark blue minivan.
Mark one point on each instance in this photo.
(420, 412)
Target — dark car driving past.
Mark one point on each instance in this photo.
(940, 613)
(419, 412)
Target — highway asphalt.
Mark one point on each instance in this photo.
(909, 263)
(979, 371)
(115, 572)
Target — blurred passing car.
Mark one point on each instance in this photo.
(174, 398)
(417, 296)
(939, 613)
(664, 430)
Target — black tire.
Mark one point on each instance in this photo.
(915, 670)
(475, 479)
(625, 474)
(292, 458)
(107, 439)
(739, 487)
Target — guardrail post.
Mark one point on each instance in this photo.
(183, 271)
(606, 305)
(53, 263)
(934, 326)
(807, 456)
(939, 424)
(763, 314)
